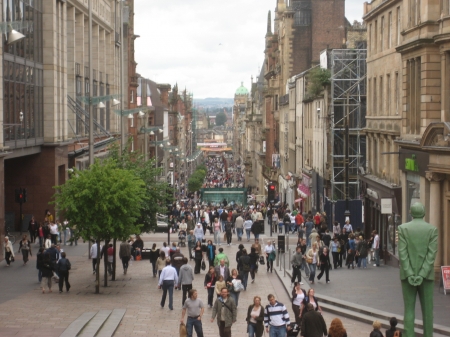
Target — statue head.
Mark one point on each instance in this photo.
(417, 210)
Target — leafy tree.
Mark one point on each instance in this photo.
(104, 202)
(195, 181)
(158, 192)
(221, 118)
(318, 78)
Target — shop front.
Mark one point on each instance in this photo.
(382, 212)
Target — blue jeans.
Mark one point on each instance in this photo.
(239, 233)
(277, 331)
(217, 237)
(308, 242)
(167, 286)
(251, 330)
(248, 231)
(244, 276)
(364, 262)
(235, 297)
(196, 324)
(256, 236)
(376, 252)
(312, 272)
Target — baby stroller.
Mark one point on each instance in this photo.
(182, 238)
(295, 330)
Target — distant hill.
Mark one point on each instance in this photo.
(214, 102)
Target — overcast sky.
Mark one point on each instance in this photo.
(207, 46)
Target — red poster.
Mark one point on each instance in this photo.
(446, 277)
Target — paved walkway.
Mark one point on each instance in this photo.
(375, 287)
(28, 312)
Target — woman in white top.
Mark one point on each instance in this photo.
(248, 227)
(269, 249)
(216, 228)
(54, 233)
(312, 258)
(298, 295)
(255, 318)
(336, 229)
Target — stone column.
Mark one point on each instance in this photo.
(435, 212)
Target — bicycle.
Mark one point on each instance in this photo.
(10, 236)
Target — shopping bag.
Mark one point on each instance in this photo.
(183, 331)
(138, 257)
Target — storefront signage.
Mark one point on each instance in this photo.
(446, 278)
(386, 206)
(413, 161)
(411, 164)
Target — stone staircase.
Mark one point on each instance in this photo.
(361, 313)
(100, 324)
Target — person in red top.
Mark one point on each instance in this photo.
(299, 221)
(317, 219)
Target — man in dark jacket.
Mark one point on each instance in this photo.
(313, 324)
(177, 260)
(244, 267)
(63, 267)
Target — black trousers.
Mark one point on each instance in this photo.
(296, 273)
(335, 259)
(326, 269)
(185, 288)
(64, 278)
(269, 264)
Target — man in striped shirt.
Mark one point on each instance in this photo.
(276, 317)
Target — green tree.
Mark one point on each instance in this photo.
(221, 118)
(157, 192)
(195, 181)
(104, 203)
(318, 79)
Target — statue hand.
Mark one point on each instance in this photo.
(415, 280)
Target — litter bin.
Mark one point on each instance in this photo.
(281, 243)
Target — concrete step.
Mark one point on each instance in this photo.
(359, 312)
(77, 325)
(103, 323)
(110, 326)
(94, 325)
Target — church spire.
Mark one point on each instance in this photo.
(269, 24)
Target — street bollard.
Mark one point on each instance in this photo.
(278, 258)
(284, 264)
(289, 261)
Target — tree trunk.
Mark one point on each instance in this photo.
(97, 269)
(114, 260)
(105, 264)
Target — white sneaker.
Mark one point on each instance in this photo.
(374, 265)
(301, 282)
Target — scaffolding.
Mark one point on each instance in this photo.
(348, 118)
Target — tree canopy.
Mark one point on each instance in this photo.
(221, 118)
(158, 192)
(104, 201)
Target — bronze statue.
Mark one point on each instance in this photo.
(417, 249)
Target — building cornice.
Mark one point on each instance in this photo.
(414, 45)
(381, 7)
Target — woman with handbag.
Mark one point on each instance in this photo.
(234, 285)
(209, 284)
(255, 318)
(25, 248)
(312, 257)
(9, 251)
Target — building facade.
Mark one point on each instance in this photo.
(44, 74)
(381, 180)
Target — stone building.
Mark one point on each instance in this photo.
(419, 32)
(384, 119)
(43, 125)
(302, 29)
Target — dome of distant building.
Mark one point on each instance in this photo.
(241, 90)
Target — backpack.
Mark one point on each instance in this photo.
(245, 266)
(287, 218)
